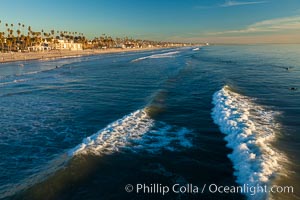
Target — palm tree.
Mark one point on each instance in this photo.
(23, 41)
(1, 40)
(11, 33)
(6, 27)
(8, 42)
(29, 30)
(14, 42)
(8, 32)
(33, 37)
(27, 41)
(38, 37)
(62, 35)
(18, 32)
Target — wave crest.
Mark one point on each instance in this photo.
(134, 132)
(249, 130)
(161, 55)
(115, 135)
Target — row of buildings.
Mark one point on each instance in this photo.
(56, 45)
(68, 44)
(12, 40)
(76, 44)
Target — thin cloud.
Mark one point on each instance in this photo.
(273, 25)
(231, 3)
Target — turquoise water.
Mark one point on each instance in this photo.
(84, 127)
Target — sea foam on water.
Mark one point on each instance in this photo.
(249, 130)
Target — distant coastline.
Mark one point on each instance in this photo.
(19, 42)
(56, 54)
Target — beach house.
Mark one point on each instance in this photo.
(67, 45)
(43, 46)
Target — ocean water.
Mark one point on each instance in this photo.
(85, 127)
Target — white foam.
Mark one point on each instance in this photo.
(115, 135)
(164, 137)
(61, 57)
(41, 71)
(28, 73)
(135, 132)
(161, 55)
(196, 49)
(249, 130)
(15, 81)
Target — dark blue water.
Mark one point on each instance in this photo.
(83, 128)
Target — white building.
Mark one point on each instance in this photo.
(44, 46)
(67, 45)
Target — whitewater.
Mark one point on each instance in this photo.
(250, 130)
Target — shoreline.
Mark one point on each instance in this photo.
(56, 54)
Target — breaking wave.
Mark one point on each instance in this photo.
(115, 135)
(134, 132)
(15, 81)
(250, 130)
(60, 57)
(20, 78)
(161, 55)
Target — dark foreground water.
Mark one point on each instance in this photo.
(85, 127)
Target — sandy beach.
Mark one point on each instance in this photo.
(53, 54)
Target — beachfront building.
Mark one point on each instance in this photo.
(67, 45)
(43, 46)
(39, 48)
(47, 45)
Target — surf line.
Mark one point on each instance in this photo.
(250, 129)
(161, 55)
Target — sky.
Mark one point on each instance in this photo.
(214, 21)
